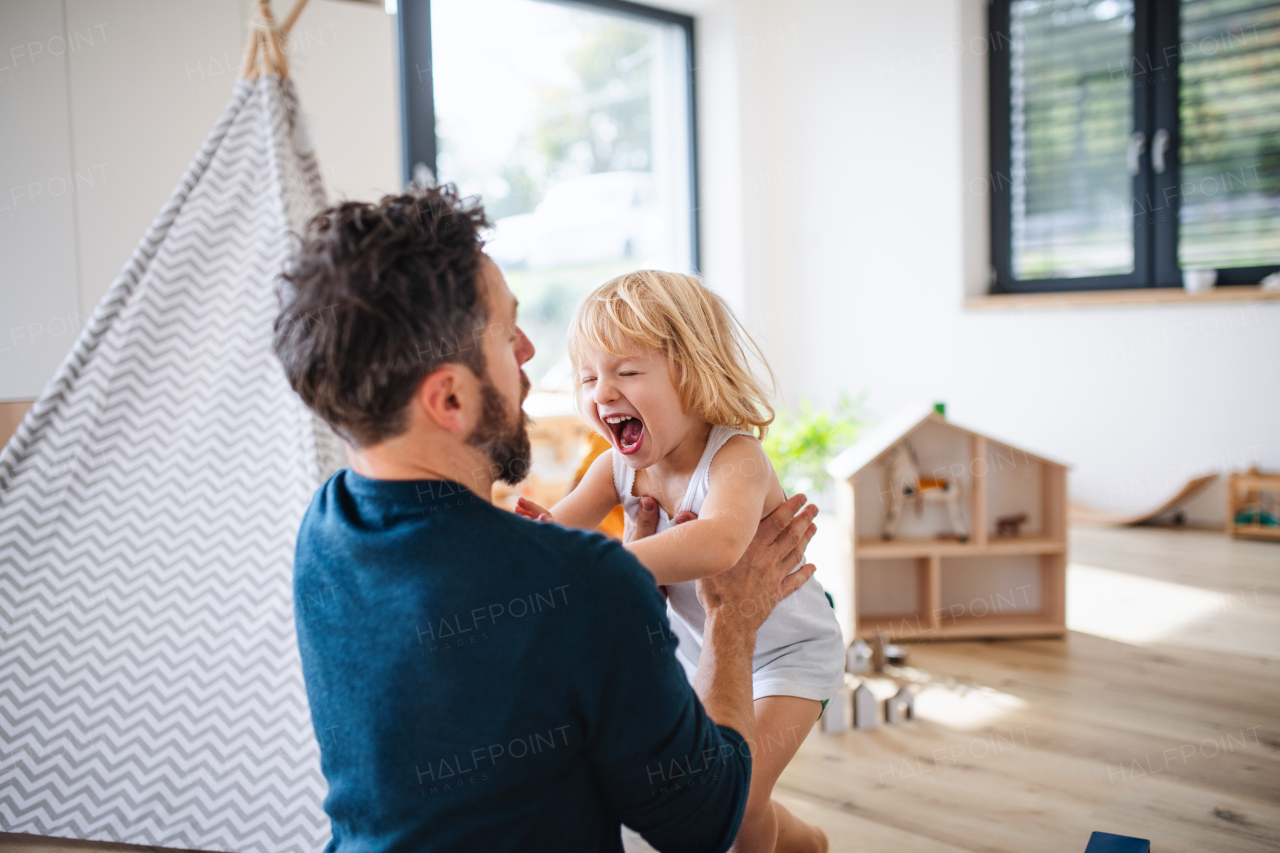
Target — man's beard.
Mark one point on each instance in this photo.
(501, 436)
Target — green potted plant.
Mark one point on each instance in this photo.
(801, 443)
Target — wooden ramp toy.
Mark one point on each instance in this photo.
(1082, 514)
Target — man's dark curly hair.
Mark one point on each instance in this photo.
(374, 299)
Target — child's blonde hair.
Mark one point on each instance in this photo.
(705, 345)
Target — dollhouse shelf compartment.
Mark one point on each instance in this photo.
(919, 587)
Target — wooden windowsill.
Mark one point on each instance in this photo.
(1141, 296)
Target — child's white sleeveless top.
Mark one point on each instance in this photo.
(799, 648)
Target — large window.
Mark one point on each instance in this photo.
(574, 123)
(1132, 140)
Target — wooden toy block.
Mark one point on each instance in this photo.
(866, 710)
(835, 718)
(857, 657)
(900, 707)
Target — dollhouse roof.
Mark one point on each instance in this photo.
(896, 427)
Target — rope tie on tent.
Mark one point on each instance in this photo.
(263, 52)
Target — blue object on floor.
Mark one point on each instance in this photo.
(1105, 842)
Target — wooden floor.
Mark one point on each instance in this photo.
(1029, 746)
(1032, 745)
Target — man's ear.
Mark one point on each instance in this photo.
(441, 394)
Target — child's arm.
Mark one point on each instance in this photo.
(741, 478)
(589, 502)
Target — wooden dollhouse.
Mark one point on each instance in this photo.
(919, 571)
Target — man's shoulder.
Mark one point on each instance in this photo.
(585, 548)
(455, 525)
(599, 565)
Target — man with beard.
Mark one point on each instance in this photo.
(478, 681)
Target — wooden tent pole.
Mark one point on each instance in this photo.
(263, 51)
(275, 55)
(249, 68)
(292, 18)
(272, 55)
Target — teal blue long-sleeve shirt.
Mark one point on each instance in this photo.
(482, 682)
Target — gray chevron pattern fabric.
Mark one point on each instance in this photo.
(150, 686)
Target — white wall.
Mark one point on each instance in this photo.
(39, 297)
(863, 142)
(105, 107)
(842, 148)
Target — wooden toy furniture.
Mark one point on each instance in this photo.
(1253, 504)
(926, 584)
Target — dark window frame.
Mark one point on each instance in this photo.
(1154, 76)
(417, 95)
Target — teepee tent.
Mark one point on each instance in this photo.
(150, 684)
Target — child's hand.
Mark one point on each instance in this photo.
(529, 509)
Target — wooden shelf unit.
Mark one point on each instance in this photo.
(927, 589)
(1247, 488)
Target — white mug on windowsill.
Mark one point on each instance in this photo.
(1197, 281)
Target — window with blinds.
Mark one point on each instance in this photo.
(1229, 107)
(1071, 105)
(1132, 140)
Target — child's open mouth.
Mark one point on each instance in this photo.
(628, 432)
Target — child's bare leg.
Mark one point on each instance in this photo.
(782, 722)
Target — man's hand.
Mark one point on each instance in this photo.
(762, 577)
(737, 602)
